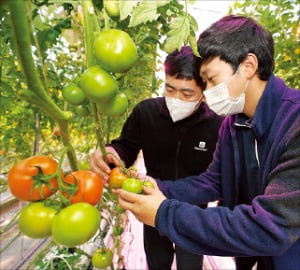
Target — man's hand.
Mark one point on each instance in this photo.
(100, 166)
(144, 207)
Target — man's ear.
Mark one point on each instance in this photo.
(250, 65)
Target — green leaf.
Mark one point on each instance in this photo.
(161, 3)
(178, 35)
(193, 23)
(193, 45)
(146, 11)
(126, 7)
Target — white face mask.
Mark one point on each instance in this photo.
(179, 109)
(219, 100)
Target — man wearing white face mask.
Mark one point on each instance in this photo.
(255, 171)
(177, 134)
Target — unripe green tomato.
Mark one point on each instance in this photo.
(35, 220)
(102, 258)
(115, 50)
(128, 93)
(73, 94)
(133, 185)
(82, 110)
(98, 84)
(116, 107)
(75, 224)
(112, 7)
(148, 184)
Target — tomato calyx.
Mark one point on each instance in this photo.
(40, 180)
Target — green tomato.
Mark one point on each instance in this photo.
(75, 224)
(73, 94)
(115, 50)
(148, 184)
(82, 110)
(116, 107)
(133, 185)
(112, 7)
(98, 85)
(128, 93)
(35, 220)
(102, 258)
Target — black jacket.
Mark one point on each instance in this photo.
(171, 150)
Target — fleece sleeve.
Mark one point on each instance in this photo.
(128, 144)
(267, 227)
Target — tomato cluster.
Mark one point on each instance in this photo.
(115, 53)
(41, 182)
(121, 178)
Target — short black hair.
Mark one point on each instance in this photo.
(232, 38)
(183, 64)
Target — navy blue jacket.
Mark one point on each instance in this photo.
(255, 173)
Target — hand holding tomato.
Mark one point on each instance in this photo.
(100, 166)
(144, 207)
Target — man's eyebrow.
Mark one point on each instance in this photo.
(187, 89)
(169, 85)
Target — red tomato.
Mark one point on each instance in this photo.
(56, 131)
(90, 187)
(28, 181)
(116, 178)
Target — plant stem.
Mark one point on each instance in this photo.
(37, 94)
(88, 14)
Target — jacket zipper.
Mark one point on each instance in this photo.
(177, 159)
(256, 152)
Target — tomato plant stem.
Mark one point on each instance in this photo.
(88, 14)
(37, 94)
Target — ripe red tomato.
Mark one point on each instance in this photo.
(116, 178)
(115, 50)
(112, 7)
(35, 220)
(133, 185)
(75, 225)
(116, 107)
(98, 85)
(56, 131)
(89, 184)
(73, 94)
(102, 258)
(27, 180)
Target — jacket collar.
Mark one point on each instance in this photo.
(266, 109)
